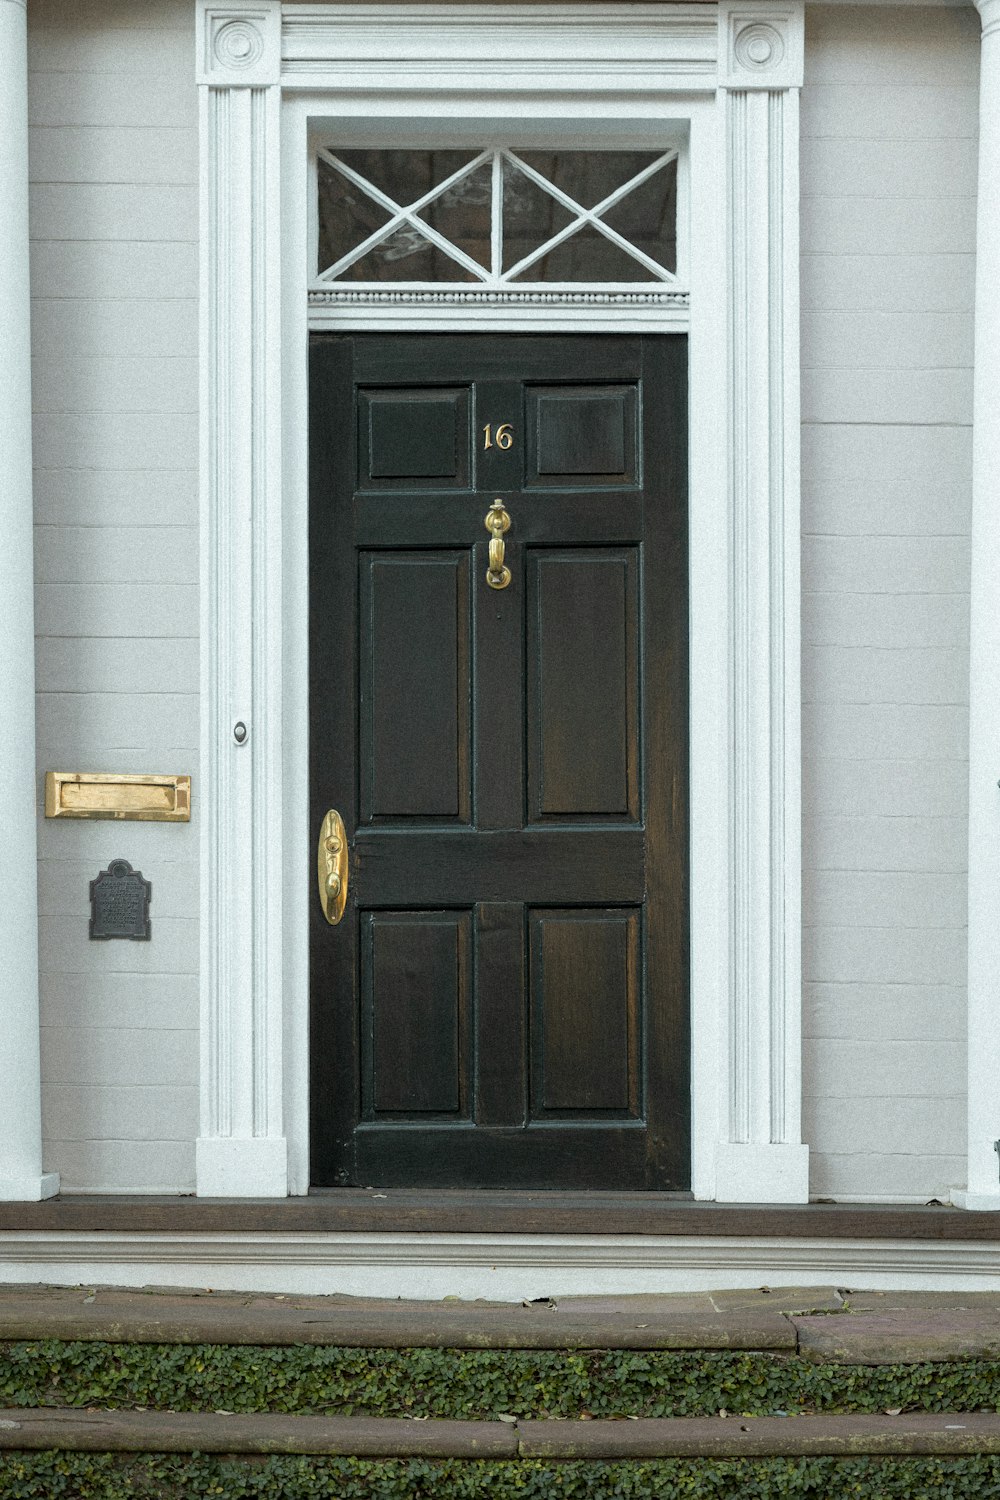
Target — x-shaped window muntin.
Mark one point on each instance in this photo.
(408, 216)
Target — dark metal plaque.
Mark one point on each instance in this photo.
(119, 903)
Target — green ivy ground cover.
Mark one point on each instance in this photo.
(476, 1383)
(85, 1476)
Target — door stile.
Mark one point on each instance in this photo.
(665, 647)
(334, 1028)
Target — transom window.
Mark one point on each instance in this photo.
(497, 218)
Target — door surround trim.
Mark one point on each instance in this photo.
(732, 72)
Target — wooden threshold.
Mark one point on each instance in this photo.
(454, 1211)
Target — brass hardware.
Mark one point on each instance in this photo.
(331, 866)
(126, 798)
(503, 437)
(497, 521)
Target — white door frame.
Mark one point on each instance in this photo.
(730, 73)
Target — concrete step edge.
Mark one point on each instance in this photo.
(921, 1433)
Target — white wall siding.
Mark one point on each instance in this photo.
(888, 224)
(114, 316)
(889, 113)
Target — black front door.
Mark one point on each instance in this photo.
(504, 1003)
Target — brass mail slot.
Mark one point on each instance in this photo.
(145, 799)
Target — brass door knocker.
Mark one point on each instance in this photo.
(497, 522)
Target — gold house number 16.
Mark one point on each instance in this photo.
(502, 438)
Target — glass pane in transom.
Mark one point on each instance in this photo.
(405, 176)
(463, 213)
(647, 216)
(587, 255)
(406, 255)
(588, 177)
(347, 216)
(497, 216)
(530, 216)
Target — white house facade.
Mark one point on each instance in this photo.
(785, 991)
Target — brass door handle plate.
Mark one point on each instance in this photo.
(332, 867)
(497, 521)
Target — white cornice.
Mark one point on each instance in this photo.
(501, 48)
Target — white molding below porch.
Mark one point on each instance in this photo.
(501, 1268)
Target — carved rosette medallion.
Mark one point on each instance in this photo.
(760, 48)
(240, 44)
(237, 44)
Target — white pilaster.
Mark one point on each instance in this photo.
(241, 1151)
(21, 1175)
(760, 1156)
(983, 1183)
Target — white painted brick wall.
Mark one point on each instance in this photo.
(114, 280)
(889, 114)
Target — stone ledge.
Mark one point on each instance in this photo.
(705, 1437)
(887, 1335)
(710, 1320)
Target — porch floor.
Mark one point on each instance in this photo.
(459, 1211)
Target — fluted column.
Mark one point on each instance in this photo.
(241, 1149)
(759, 1155)
(983, 1181)
(21, 1175)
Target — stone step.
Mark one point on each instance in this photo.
(717, 1320)
(820, 1324)
(923, 1433)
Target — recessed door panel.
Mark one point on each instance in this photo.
(415, 987)
(587, 1012)
(582, 435)
(414, 650)
(583, 663)
(413, 438)
(504, 1002)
